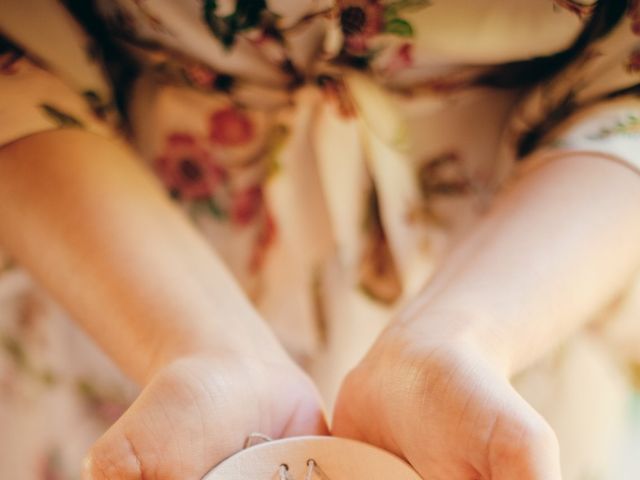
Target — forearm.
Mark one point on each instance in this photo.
(552, 252)
(93, 226)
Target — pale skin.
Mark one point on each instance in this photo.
(553, 250)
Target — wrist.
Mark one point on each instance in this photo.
(453, 328)
(249, 339)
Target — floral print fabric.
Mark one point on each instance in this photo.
(328, 150)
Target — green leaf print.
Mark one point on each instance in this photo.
(628, 126)
(59, 117)
(399, 27)
(392, 10)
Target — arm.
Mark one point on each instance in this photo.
(93, 226)
(554, 249)
(95, 229)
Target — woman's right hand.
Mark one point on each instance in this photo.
(199, 410)
(130, 268)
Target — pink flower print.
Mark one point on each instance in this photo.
(360, 20)
(231, 127)
(246, 205)
(187, 169)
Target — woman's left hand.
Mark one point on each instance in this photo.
(534, 269)
(448, 409)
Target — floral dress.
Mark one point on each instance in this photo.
(329, 150)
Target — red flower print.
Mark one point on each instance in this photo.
(360, 20)
(633, 63)
(187, 169)
(230, 127)
(246, 204)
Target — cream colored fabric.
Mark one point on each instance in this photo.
(329, 151)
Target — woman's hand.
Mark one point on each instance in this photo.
(134, 273)
(448, 409)
(199, 410)
(555, 248)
